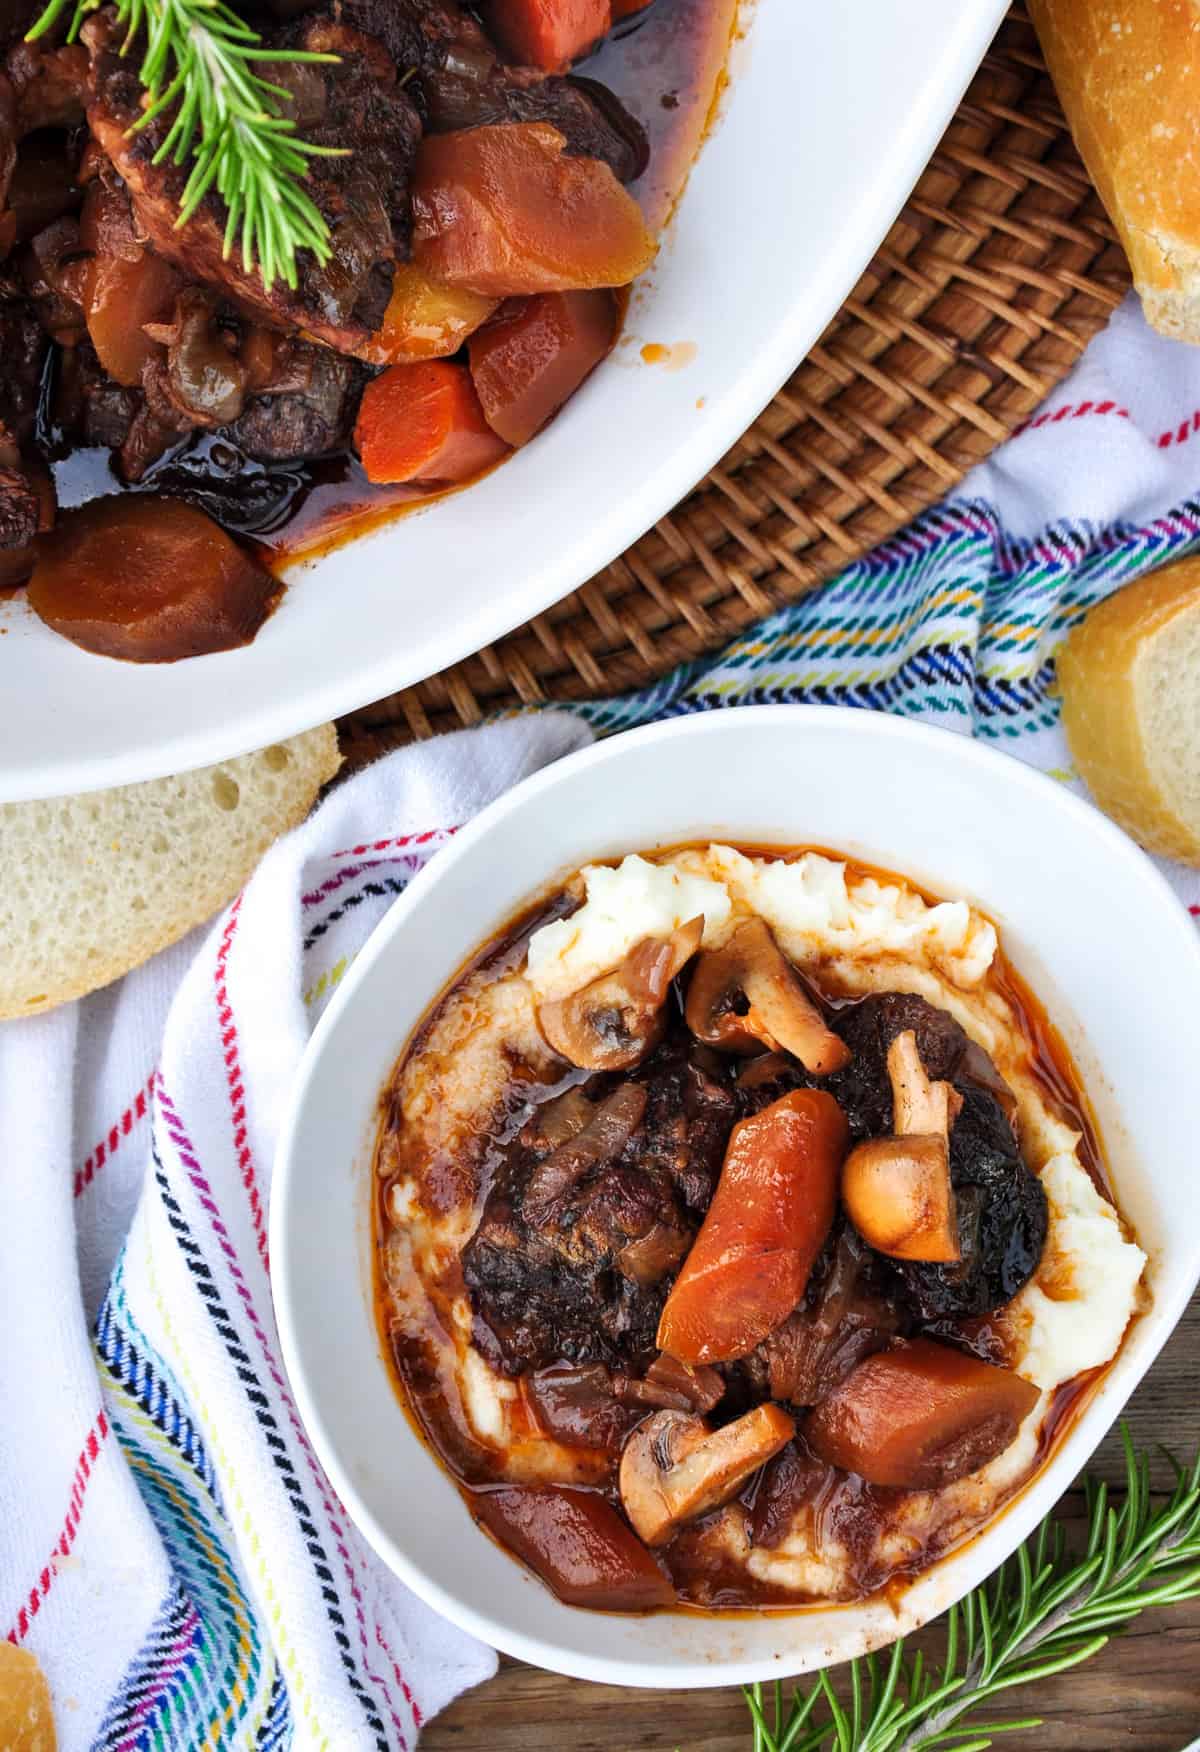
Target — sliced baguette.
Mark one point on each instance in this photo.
(1128, 76)
(92, 885)
(26, 1715)
(1130, 681)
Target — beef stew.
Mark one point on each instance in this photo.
(483, 237)
(625, 1256)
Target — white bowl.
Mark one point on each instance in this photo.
(1083, 914)
(832, 113)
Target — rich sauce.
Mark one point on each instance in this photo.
(668, 70)
(848, 1510)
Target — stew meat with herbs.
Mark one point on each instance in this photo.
(731, 1233)
(481, 233)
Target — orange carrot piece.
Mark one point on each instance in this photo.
(768, 1220)
(549, 34)
(502, 210)
(424, 423)
(533, 358)
(627, 8)
(919, 1416)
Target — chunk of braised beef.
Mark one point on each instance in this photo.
(793, 1479)
(310, 419)
(690, 1111)
(577, 1404)
(845, 1317)
(458, 80)
(363, 194)
(588, 1219)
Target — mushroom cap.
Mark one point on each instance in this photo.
(674, 1468)
(615, 1021)
(897, 1190)
(897, 1193)
(780, 1013)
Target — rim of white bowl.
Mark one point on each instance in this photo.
(852, 722)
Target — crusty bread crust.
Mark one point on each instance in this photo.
(1107, 671)
(1128, 76)
(26, 1715)
(91, 886)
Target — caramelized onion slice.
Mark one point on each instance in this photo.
(675, 1468)
(747, 994)
(613, 1022)
(614, 1121)
(577, 1545)
(919, 1416)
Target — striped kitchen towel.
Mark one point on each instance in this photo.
(169, 1547)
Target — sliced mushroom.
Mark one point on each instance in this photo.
(747, 994)
(897, 1190)
(675, 1468)
(616, 1020)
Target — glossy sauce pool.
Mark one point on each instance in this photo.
(848, 1509)
(668, 70)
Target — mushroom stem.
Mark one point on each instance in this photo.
(919, 1107)
(897, 1190)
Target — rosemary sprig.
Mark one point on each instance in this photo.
(202, 60)
(1047, 1609)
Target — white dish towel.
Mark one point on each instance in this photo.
(169, 1547)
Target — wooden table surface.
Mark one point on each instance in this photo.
(1142, 1692)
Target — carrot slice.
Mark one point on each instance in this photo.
(549, 34)
(628, 8)
(920, 1416)
(502, 210)
(424, 423)
(768, 1220)
(148, 579)
(528, 362)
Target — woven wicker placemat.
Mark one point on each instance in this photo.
(1000, 269)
